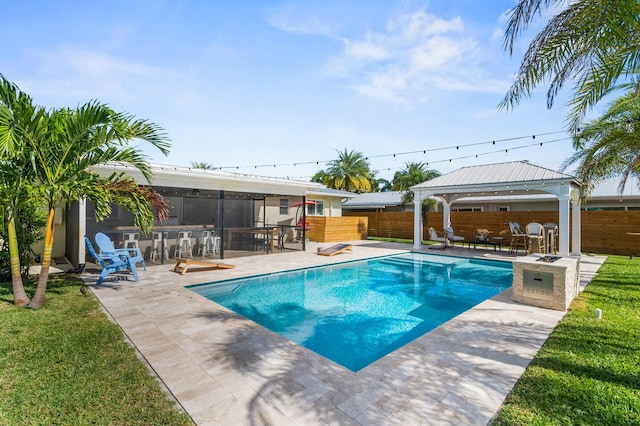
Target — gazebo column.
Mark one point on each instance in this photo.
(576, 235)
(446, 213)
(417, 220)
(563, 224)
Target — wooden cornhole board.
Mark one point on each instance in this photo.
(333, 250)
(182, 265)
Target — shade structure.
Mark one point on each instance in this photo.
(306, 203)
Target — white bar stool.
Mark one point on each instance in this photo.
(158, 239)
(205, 248)
(183, 244)
(130, 240)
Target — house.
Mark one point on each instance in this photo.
(202, 200)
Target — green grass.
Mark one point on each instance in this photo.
(68, 364)
(588, 371)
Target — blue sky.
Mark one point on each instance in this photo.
(253, 83)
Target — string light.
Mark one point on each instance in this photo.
(423, 151)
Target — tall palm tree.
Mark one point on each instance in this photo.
(414, 173)
(74, 141)
(590, 43)
(610, 145)
(350, 172)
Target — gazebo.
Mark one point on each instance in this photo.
(500, 179)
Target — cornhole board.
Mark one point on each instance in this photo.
(182, 265)
(338, 248)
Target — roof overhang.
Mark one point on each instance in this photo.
(184, 177)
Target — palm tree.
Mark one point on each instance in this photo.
(379, 184)
(590, 43)
(610, 145)
(20, 120)
(413, 174)
(350, 172)
(200, 165)
(74, 141)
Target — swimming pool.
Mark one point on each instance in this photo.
(357, 312)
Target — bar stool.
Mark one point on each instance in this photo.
(158, 239)
(130, 240)
(183, 243)
(205, 248)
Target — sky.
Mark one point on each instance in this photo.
(277, 88)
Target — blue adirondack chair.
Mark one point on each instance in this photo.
(104, 244)
(111, 262)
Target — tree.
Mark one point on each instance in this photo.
(320, 177)
(591, 43)
(204, 166)
(350, 172)
(609, 146)
(77, 139)
(413, 174)
(56, 150)
(379, 184)
(20, 120)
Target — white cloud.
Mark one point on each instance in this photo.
(82, 74)
(414, 55)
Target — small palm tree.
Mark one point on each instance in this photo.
(74, 141)
(590, 43)
(609, 146)
(200, 165)
(350, 172)
(49, 155)
(413, 174)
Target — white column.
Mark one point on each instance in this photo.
(576, 235)
(417, 220)
(446, 213)
(563, 224)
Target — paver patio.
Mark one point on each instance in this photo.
(226, 370)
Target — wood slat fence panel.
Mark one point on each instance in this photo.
(604, 231)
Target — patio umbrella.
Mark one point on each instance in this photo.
(299, 204)
(306, 203)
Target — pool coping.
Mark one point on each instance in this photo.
(224, 369)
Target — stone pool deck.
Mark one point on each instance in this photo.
(227, 370)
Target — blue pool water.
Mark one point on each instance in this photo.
(355, 313)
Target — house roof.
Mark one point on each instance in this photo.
(186, 177)
(609, 189)
(331, 192)
(512, 178)
(511, 172)
(371, 200)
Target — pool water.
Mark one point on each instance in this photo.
(357, 312)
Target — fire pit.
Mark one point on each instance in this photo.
(548, 259)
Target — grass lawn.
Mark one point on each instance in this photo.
(588, 371)
(68, 364)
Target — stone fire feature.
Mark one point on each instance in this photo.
(546, 281)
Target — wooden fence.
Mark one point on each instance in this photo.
(603, 231)
(334, 229)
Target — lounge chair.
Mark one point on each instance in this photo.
(336, 249)
(104, 244)
(448, 232)
(433, 236)
(111, 262)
